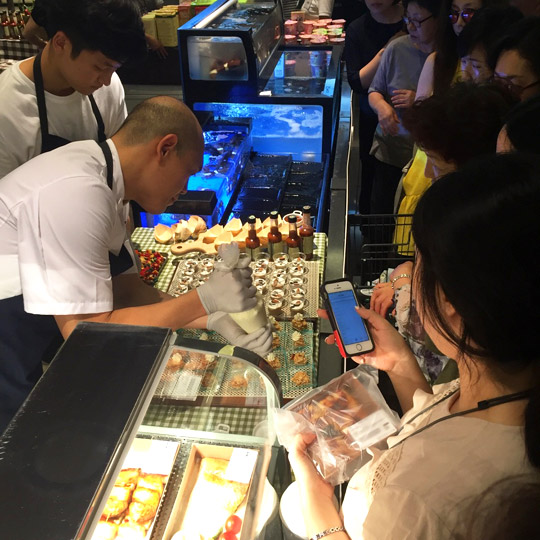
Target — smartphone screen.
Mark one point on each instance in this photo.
(350, 324)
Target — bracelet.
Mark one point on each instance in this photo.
(329, 531)
(399, 277)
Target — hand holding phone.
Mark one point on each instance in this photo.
(350, 330)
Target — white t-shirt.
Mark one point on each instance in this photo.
(69, 117)
(421, 488)
(58, 222)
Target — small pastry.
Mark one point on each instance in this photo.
(300, 378)
(298, 322)
(273, 360)
(298, 339)
(238, 381)
(299, 358)
(276, 342)
(275, 323)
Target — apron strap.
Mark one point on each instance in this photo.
(101, 126)
(40, 95)
(109, 161)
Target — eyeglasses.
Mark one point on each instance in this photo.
(466, 14)
(415, 24)
(511, 86)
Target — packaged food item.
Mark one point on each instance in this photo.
(347, 415)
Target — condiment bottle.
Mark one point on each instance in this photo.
(253, 243)
(306, 233)
(293, 240)
(275, 238)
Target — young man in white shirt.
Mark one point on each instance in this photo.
(70, 91)
(62, 227)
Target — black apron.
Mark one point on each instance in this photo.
(27, 340)
(51, 142)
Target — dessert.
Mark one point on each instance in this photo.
(280, 272)
(298, 339)
(208, 379)
(190, 263)
(275, 323)
(298, 293)
(299, 358)
(298, 322)
(278, 282)
(238, 381)
(297, 270)
(300, 378)
(276, 342)
(296, 282)
(298, 305)
(281, 261)
(274, 360)
(190, 272)
(176, 361)
(278, 294)
(185, 280)
(275, 306)
(181, 289)
(259, 271)
(260, 285)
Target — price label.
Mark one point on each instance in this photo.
(187, 386)
(372, 429)
(241, 465)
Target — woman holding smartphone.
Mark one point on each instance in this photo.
(483, 427)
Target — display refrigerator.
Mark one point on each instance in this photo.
(135, 432)
(269, 111)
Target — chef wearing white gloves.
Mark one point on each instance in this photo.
(64, 250)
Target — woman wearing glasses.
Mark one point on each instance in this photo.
(465, 435)
(517, 64)
(393, 89)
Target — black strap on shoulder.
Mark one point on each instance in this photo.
(109, 161)
(101, 126)
(40, 95)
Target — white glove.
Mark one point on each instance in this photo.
(229, 291)
(260, 341)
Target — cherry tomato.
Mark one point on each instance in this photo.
(228, 535)
(233, 524)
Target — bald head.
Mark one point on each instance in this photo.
(159, 116)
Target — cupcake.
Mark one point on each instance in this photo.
(298, 339)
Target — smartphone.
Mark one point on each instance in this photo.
(350, 330)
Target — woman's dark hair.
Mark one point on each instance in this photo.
(477, 234)
(433, 6)
(485, 29)
(446, 59)
(113, 27)
(506, 510)
(523, 37)
(523, 126)
(461, 123)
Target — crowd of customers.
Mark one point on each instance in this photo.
(451, 135)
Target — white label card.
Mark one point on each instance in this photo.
(372, 429)
(241, 465)
(187, 386)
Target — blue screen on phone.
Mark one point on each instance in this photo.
(350, 324)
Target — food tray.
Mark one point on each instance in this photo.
(173, 384)
(145, 272)
(182, 283)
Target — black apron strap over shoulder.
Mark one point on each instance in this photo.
(101, 126)
(40, 96)
(123, 261)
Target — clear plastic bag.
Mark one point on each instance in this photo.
(347, 415)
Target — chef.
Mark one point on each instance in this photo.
(63, 214)
(69, 91)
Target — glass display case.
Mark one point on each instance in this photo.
(134, 430)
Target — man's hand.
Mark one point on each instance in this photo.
(403, 99)
(388, 119)
(260, 341)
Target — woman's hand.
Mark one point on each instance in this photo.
(402, 99)
(304, 470)
(382, 298)
(391, 352)
(388, 119)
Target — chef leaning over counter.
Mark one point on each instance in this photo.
(63, 245)
(69, 91)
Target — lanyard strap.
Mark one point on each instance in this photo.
(42, 108)
(481, 406)
(109, 161)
